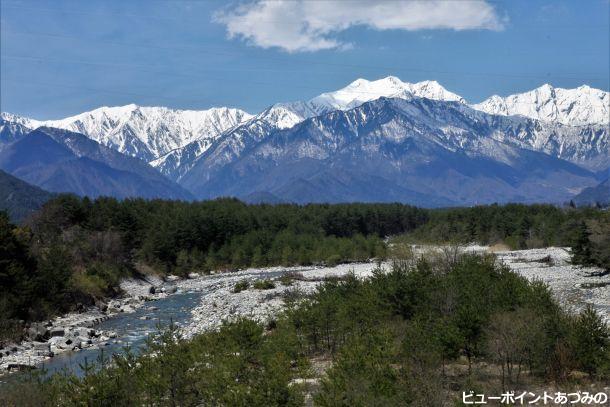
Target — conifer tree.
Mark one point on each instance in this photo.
(582, 252)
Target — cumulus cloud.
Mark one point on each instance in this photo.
(302, 25)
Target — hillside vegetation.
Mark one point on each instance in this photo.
(416, 335)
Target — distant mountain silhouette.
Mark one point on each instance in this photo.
(19, 198)
(62, 161)
(599, 194)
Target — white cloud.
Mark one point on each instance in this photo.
(302, 25)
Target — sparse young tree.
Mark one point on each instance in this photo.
(590, 341)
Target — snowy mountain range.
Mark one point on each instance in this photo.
(575, 107)
(285, 115)
(588, 145)
(144, 132)
(190, 147)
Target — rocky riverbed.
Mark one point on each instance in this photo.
(77, 331)
(573, 286)
(219, 300)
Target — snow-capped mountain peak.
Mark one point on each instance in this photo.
(362, 90)
(285, 115)
(577, 107)
(173, 140)
(145, 132)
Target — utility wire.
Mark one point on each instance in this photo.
(321, 63)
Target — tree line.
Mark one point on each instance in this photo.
(518, 226)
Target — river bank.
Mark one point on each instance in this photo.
(77, 331)
(215, 300)
(573, 286)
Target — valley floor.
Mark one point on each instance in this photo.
(573, 286)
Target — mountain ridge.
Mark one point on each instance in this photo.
(61, 161)
(19, 198)
(580, 106)
(142, 131)
(586, 145)
(386, 140)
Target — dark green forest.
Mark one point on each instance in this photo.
(516, 226)
(74, 251)
(413, 336)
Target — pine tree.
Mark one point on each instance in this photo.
(582, 252)
(591, 341)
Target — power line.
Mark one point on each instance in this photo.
(576, 76)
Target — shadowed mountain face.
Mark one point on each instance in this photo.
(599, 194)
(421, 151)
(62, 161)
(19, 198)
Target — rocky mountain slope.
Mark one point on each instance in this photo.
(564, 136)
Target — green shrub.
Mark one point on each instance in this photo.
(390, 339)
(241, 286)
(264, 284)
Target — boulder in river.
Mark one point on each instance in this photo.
(37, 332)
(61, 342)
(127, 308)
(83, 332)
(41, 346)
(57, 331)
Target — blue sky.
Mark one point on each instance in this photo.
(60, 58)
